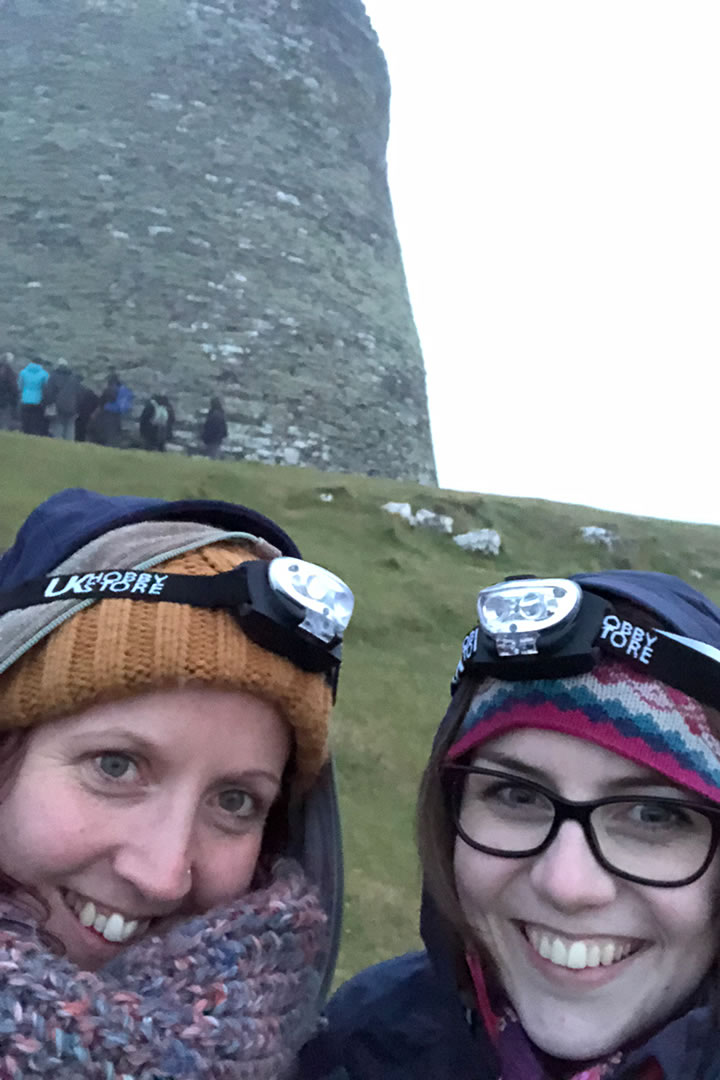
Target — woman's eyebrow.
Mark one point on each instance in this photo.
(135, 741)
(506, 761)
(620, 783)
(243, 775)
(123, 735)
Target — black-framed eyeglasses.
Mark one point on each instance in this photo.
(647, 839)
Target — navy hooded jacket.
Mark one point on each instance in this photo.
(405, 1018)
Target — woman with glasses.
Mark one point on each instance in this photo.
(568, 825)
(170, 880)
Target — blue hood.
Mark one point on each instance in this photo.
(69, 520)
(685, 609)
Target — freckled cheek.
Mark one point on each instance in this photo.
(226, 871)
(48, 836)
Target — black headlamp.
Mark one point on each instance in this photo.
(548, 628)
(288, 606)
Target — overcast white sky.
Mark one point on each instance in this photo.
(555, 171)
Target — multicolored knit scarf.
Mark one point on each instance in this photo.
(230, 994)
(613, 706)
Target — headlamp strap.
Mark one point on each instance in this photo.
(659, 655)
(662, 657)
(226, 590)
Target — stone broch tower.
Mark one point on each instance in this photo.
(195, 193)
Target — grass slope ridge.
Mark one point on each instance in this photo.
(415, 593)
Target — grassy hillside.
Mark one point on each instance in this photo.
(415, 593)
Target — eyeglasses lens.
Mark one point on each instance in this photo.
(503, 815)
(659, 841)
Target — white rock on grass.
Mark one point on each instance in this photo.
(428, 519)
(326, 496)
(598, 534)
(425, 519)
(403, 510)
(486, 541)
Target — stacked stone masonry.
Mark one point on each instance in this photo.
(195, 194)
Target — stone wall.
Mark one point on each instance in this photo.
(195, 194)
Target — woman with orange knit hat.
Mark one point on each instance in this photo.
(169, 841)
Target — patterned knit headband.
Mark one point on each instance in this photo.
(613, 706)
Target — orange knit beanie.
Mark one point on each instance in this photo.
(118, 648)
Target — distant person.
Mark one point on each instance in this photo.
(115, 403)
(214, 429)
(62, 392)
(156, 422)
(87, 407)
(8, 393)
(31, 384)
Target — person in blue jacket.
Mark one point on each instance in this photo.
(170, 861)
(568, 825)
(115, 403)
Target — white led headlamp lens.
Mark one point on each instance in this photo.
(327, 600)
(515, 613)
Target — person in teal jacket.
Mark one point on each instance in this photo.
(31, 383)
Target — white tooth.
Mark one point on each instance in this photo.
(559, 953)
(577, 955)
(607, 954)
(533, 936)
(114, 927)
(87, 913)
(130, 927)
(545, 947)
(100, 923)
(593, 956)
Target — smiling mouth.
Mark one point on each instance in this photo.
(115, 927)
(579, 953)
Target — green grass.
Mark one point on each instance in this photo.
(415, 594)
